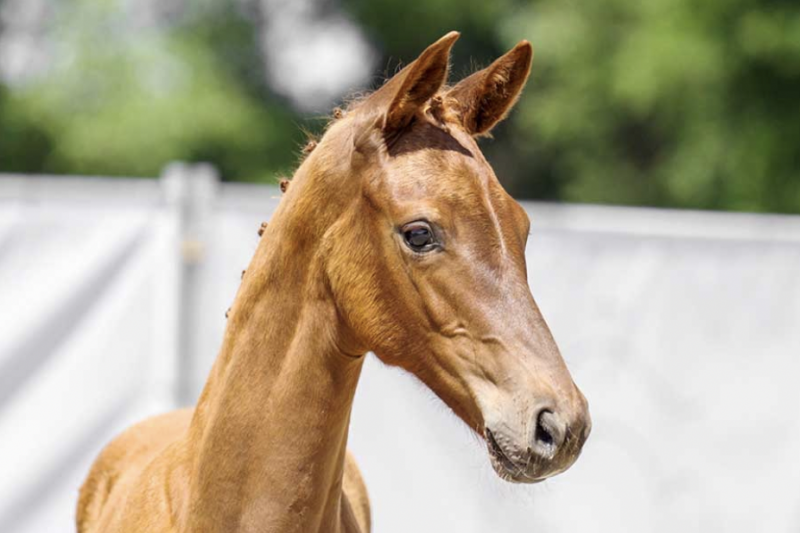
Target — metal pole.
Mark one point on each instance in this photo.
(191, 191)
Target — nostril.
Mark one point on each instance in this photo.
(542, 433)
(548, 435)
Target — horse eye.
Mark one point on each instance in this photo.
(419, 236)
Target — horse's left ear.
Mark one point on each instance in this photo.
(484, 98)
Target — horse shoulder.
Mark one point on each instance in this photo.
(122, 462)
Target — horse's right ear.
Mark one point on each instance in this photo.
(413, 86)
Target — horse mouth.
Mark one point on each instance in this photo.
(503, 465)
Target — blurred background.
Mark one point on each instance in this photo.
(676, 306)
(665, 103)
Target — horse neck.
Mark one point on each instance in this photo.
(268, 439)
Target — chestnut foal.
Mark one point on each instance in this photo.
(395, 237)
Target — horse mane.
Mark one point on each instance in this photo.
(437, 110)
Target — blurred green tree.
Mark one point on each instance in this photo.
(130, 100)
(664, 102)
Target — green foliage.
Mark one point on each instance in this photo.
(127, 105)
(658, 102)
(402, 29)
(665, 102)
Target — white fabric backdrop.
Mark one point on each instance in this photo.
(680, 327)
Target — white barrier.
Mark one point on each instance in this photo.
(680, 327)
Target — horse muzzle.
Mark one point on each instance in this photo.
(549, 448)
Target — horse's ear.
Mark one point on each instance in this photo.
(484, 98)
(410, 88)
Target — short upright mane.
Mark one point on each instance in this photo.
(437, 111)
